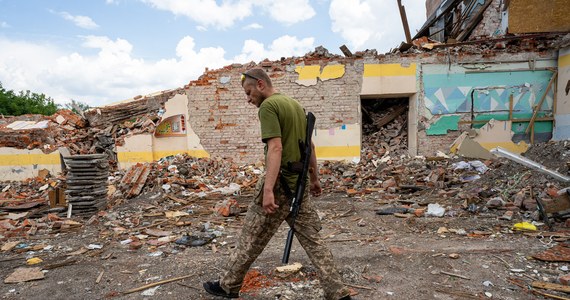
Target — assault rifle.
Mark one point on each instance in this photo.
(306, 150)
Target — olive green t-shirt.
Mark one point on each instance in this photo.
(282, 116)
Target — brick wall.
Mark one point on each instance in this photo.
(228, 126)
(430, 145)
(491, 21)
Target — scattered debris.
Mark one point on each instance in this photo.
(292, 268)
(151, 285)
(24, 274)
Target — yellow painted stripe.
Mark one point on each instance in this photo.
(143, 156)
(380, 70)
(564, 61)
(332, 72)
(510, 146)
(27, 159)
(147, 156)
(308, 72)
(337, 151)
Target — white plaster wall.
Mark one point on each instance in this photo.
(338, 143)
(388, 86)
(137, 148)
(20, 164)
(175, 106)
(413, 125)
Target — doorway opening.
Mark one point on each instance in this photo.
(384, 127)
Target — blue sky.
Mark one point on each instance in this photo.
(102, 51)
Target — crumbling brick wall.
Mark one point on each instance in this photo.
(491, 22)
(430, 145)
(228, 126)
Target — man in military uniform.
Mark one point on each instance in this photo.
(283, 125)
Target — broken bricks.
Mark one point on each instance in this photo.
(228, 207)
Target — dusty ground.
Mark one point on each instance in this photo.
(380, 257)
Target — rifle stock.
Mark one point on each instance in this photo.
(300, 187)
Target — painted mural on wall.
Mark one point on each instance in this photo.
(460, 92)
(171, 126)
(453, 91)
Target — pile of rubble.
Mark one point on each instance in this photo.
(385, 168)
(185, 176)
(385, 172)
(384, 141)
(161, 208)
(97, 130)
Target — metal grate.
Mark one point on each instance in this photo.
(86, 188)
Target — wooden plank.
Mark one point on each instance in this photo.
(405, 22)
(140, 181)
(551, 286)
(150, 285)
(511, 107)
(537, 108)
(391, 116)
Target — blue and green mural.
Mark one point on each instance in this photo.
(451, 90)
(485, 92)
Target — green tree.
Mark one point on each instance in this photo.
(22, 103)
(77, 106)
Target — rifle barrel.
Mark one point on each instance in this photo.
(288, 245)
(300, 188)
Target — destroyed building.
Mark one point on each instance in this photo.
(477, 75)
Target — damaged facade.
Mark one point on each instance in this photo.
(191, 159)
(473, 75)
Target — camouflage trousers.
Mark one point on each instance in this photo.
(260, 227)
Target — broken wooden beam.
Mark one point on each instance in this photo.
(539, 105)
(346, 51)
(150, 285)
(404, 22)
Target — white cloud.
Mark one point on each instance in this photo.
(21, 66)
(112, 1)
(201, 28)
(80, 21)
(253, 26)
(224, 15)
(374, 24)
(206, 12)
(114, 74)
(290, 11)
(284, 46)
(4, 25)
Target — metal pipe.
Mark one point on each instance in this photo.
(529, 163)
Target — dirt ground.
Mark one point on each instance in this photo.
(379, 256)
(469, 253)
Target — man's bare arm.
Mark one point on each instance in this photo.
(273, 164)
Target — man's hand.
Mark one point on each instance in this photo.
(269, 205)
(316, 189)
